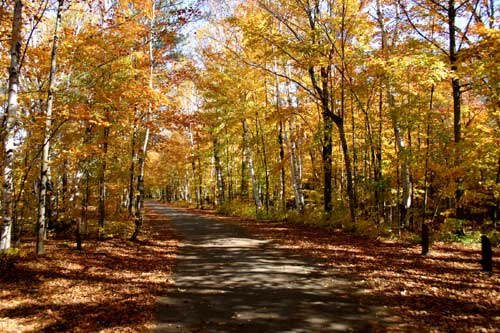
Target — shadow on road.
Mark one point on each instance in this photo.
(229, 281)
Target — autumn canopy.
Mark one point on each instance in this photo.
(373, 116)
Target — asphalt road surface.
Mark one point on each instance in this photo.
(227, 280)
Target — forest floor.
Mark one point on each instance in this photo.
(112, 285)
(444, 291)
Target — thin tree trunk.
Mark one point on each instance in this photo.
(102, 178)
(139, 212)
(200, 182)
(267, 198)
(248, 153)
(497, 203)
(193, 167)
(9, 125)
(218, 174)
(295, 176)
(131, 191)
(405, 175)
(456, 92)
(282, 166)
(427, 156)
(82, 219)
(43, 201)
(229, 175)
(354, 155)
(347, 162)
(328, 121)
(139, 217)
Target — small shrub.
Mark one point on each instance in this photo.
(494, 237)
(452, 229)
(8, 259)
(120, 228)
(238, 208)
(367, 227)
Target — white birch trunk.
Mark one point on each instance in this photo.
(248, 153)
(142, 160)
(405, 170)
(9, 127)
(294, 167)
(45, 169)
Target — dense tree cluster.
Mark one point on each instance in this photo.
(379, 114)
(81, 87)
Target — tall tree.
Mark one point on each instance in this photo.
(9, 124)
(45, 167)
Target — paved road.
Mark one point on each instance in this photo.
(227, 280)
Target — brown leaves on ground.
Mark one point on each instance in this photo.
(110, 286)
(444, 291)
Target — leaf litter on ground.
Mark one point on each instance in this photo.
(110, 286)
(444, 291)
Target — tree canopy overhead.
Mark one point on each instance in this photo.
(375, 114)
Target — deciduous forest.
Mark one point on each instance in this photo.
(376, 119)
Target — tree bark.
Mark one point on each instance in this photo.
(282, 166)
(131, 190)
(248, 153)
(9, 125)
(347, 162)
(43, 201)
(266, 170)
(139, 217)
(405, 175)
(139, 212)
(427, 156)
(457, 113)
(218, 174)
(327, 144)
(102, 178)
(295, 175)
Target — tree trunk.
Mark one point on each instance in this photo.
(354, 156)
(248, 153)
(139, 214)
(486, 254)
(427, 156)
(266, 170)
(43, 201)
(200, 182)
(328, 122)
(456, 92)
(244, 165)
(405, 175)
(347, 162)
(8, 130)
(282, 166)
(218, 174)
(102, 179)
(229, 175)
(131, 191)
(295, 175)
(193, 168)
(425, 239)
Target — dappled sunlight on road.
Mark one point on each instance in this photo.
(229, 281)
